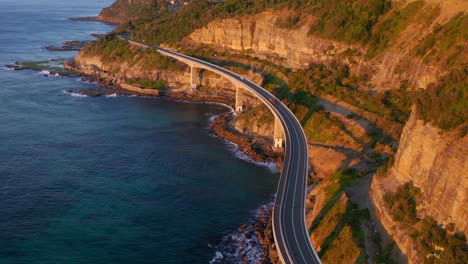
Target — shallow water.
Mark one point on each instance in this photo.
(107, 179)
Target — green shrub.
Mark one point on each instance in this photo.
(111, 49)
(402, 203)
(446, 42)
(445, 104)
(388, 30)
(337, 81)
(349, 21)
(338, 19)
(431, 239)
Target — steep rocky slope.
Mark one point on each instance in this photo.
(436, 162)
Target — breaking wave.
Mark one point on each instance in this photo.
(75, 94)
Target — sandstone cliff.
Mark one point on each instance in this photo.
(258, 34)
(297, 48)
(437, 163)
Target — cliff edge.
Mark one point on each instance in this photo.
(436, 163)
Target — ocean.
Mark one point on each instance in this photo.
(110, 179)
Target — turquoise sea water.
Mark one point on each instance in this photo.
(107, 179)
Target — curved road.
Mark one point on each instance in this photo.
(289, 228)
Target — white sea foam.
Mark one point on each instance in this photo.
(238, 152)
(45, 72)
(243, 156)
(111, 95)
(75, 94)
(218, 256)
(5, 68)
(245, 243)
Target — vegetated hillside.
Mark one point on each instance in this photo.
(122, 11)
(350, 21)
(350, 71)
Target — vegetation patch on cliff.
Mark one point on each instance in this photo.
(437, 244)
(445, 104)
(349, 21)
(340, 20)
(111, 49)
(446, 43)
(386, 32)
(123, 10)
(340, 222)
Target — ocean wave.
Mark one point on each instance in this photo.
(238, 153)
(111, 95)
(49, 74)
(75, 94)
(243, 156)
(5, 68)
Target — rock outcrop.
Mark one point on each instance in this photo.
(437, 163)
(259, 35)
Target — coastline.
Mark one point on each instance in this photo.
(254, 241)
(221, 126)
(258, 231)
(94, 18)
(63, 91)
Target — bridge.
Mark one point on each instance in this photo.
(289, 225)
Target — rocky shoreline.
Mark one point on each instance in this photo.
(257, 152)
(221, 127)
(242, 247)
(70, 45)
(253, 242)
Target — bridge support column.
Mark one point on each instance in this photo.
(193, 78)
(278, 135)
(239, 99)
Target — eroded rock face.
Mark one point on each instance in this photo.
(437, 163)
(296, 48)
(258, 33)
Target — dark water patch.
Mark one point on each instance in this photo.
(107, 179)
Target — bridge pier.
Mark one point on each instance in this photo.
(193, 77)
(239, 99)
(278, 135)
